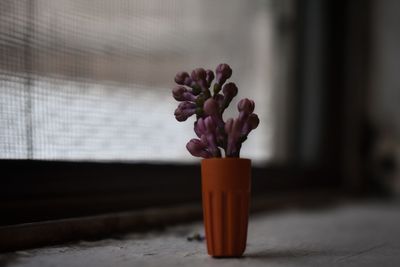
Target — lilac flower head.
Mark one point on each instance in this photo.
(223, 72)
(185, 110)
(212, 132)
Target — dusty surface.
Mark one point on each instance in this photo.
(351, 235)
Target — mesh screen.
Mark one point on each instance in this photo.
(91, 79)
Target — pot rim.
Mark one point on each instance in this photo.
(226, 159)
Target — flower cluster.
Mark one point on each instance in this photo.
(195, 97)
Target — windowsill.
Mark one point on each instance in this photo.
(363, 234)
(44, 233)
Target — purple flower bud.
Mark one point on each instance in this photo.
(233, 130)
(200, 127)
(198, 149)
(185, 110)
(209, 77)
(199, 77)
(230, 90)
(181, 93)
(211, 107)
(210, 124)
(199, 74)
(246, 105)
(223, 73)
(229, 125)
(211, 136)
(181, 77)
(220, 100)
(206, 130)
(203, 139)
(251, 123)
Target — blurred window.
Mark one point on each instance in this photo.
(91, 79)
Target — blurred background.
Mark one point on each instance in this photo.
(86, 110)
(95, 82)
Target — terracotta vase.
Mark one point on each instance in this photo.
(226, 198)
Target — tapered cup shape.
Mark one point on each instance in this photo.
(226, 199)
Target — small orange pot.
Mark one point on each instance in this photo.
(226, 198)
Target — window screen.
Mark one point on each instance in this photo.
(92, 79)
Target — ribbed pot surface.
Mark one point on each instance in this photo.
(226, 198)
